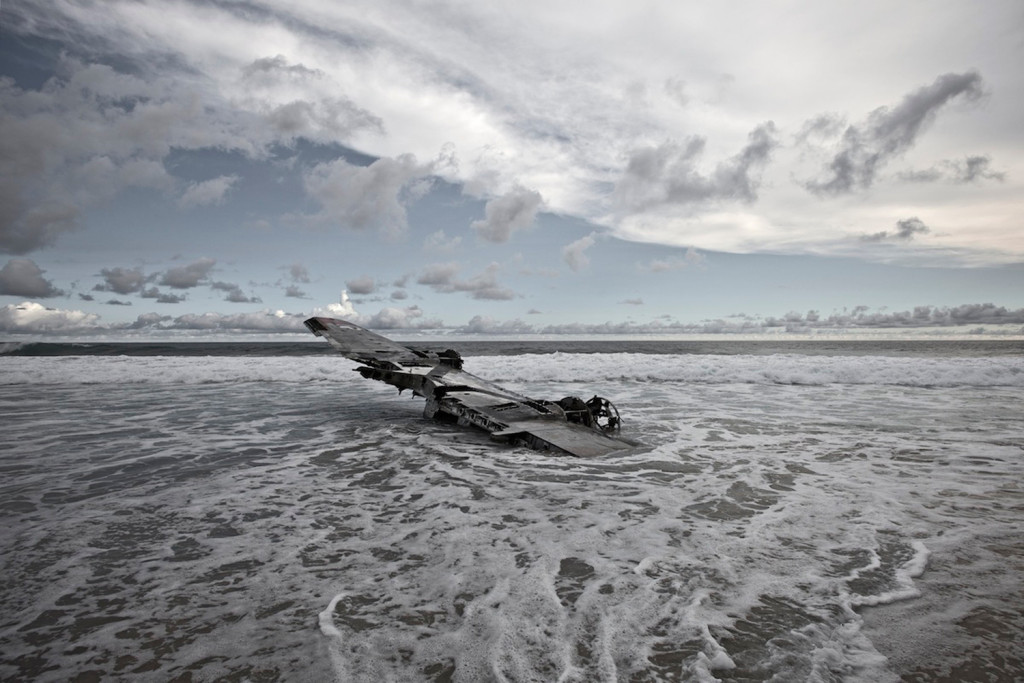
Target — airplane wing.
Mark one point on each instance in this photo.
(570, 425)
(359, 344)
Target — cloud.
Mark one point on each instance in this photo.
(975, 168)
(207, 192)
(161, 297)
(905, 231)
(121, 280)
(484, 325)
(147, 320)
(338, 309)
(364, 284)
(509, 213)
(670, 174)
(366, 197)
(437, 274)
(574, 253)
(439, 241)
(118, 302)
(388, 318)
(29, 316)
(234, 293)
(260, 321)
(691, 259)
(675, 88)
(81, 139)
(298, 273)
(271, 70)
(888, 132)
(928, 175)
(22, 277)
(93, 130)
(441, 277)
(295, 292)
(188, 276)
(400, 318)
(920, 316)
(632, 302)
(293, 102)
(320, 120)
(970, 169)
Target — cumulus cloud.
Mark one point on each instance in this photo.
(207, 192)
(905, 231)
(479, 324)
(507, 214)
(121, 280)
(259, 321)
(366, 197)
(920, 316)
(147, 320)
(189, 276)
(234, 293)
(574, 254)
(437, 274)
(162, 297)
(22, 277)
(364, 284)
(81, 139)
(670, 173)
(30, 317)
(442, 277)
(390, 318)
(338, 309)
(294, 292)
(887, 132)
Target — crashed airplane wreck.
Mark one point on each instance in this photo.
(570, 425)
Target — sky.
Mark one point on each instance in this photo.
(580, 167)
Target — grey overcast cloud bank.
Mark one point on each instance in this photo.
(608, 167)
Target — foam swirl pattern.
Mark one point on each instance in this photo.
(787, 518)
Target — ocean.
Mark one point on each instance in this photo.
(793, 511)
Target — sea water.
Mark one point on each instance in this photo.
(853, 514)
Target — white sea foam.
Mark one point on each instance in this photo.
(557, 367)
(905, 588)
(201, 513)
